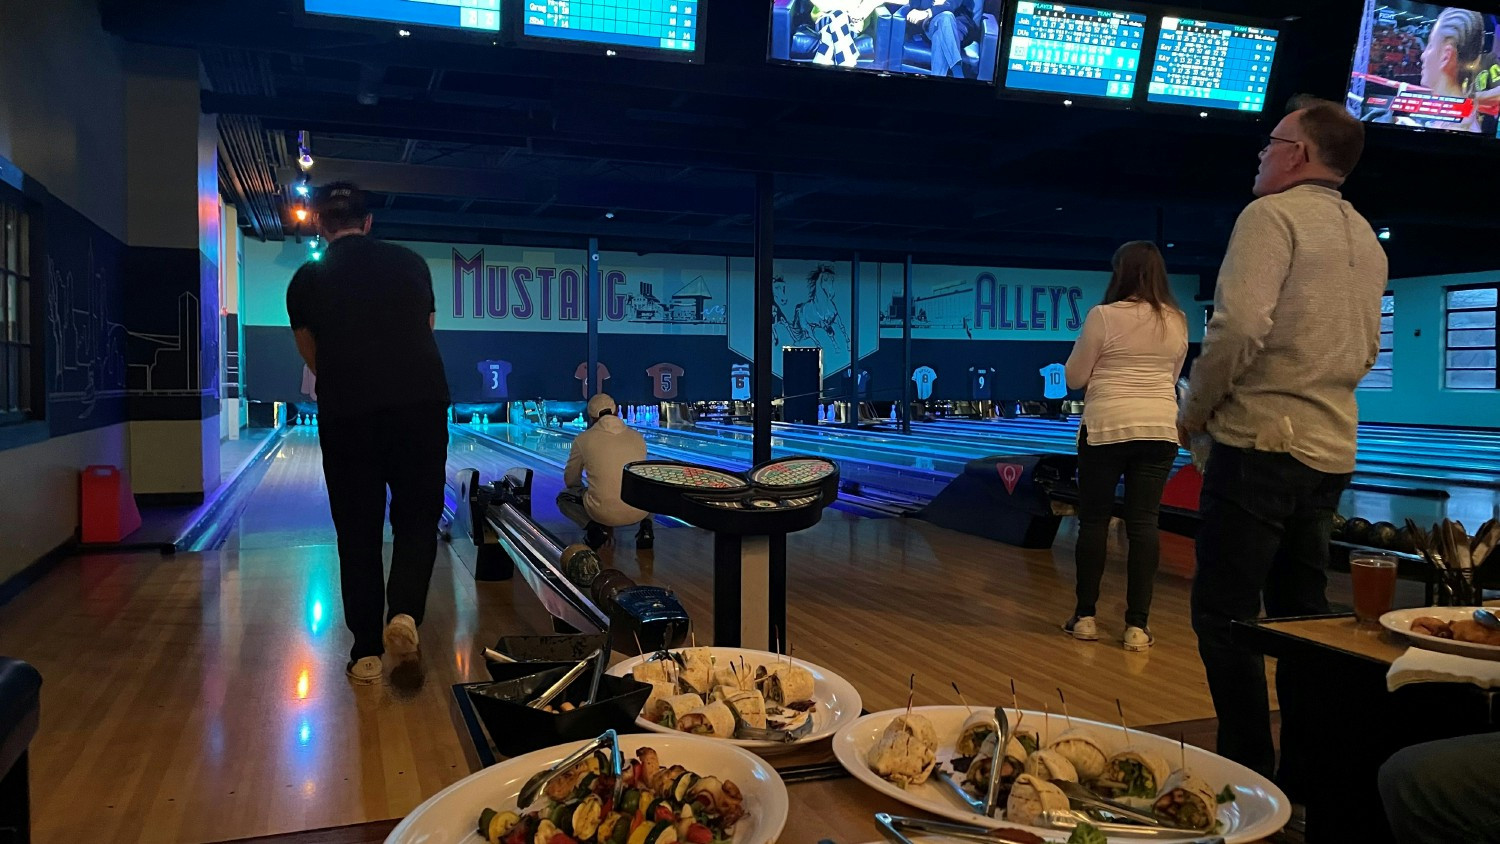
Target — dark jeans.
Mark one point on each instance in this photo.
(1267, 521)
(404, 449)
(1145, 465)
(1443, 791)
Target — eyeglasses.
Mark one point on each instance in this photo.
(1272, 139)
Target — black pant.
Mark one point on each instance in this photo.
(1267, 521)
(405, 449)
(1145, 465)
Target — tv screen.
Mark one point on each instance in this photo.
(940, 38)
(480, 16)
(667, 28)
(1427, 67)
(1077, 50)
(1212, 65)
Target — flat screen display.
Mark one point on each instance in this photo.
(1427, 67)
(1212, 65)
(667, 27)
(1078, 50)
(957, 39)
(479, 16)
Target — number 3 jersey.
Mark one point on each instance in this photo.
(493, 374)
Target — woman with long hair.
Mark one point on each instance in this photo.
(1128, 356)
(1456, 64)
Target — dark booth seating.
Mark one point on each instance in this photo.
(794, 36)
(911, 52)
(20, 703)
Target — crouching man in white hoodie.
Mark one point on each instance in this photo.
(595, 467)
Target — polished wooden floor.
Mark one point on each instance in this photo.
(202, 698)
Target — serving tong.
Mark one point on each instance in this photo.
(609, 740)
(546, 697)
(894, 828)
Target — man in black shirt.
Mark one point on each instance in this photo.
(363, 319)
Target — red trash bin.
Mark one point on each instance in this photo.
(108, 512)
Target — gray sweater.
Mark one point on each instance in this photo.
(1296, 325)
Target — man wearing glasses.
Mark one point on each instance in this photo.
(1296, 325)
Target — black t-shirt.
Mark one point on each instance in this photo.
(369, 306)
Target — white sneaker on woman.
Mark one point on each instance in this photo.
(1138, 639)
(1082, 628)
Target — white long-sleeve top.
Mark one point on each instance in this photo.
(600, 453)
(1129, 360)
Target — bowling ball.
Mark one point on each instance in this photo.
(1384, 535)
(1357, 531)
(1338, 526)
(1406, 542)
(580, 564)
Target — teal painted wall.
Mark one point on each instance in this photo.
(1418, 396)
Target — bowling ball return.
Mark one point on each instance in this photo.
(750, 514)
(570, 582)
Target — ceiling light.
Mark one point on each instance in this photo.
(404, 33)
(609, 215)
(305, 161)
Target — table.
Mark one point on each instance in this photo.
(1345, 725)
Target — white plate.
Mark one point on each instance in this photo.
(1399, 621)
(838, 702)
(1259, 808)
(451, 815)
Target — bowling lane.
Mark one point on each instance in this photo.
(945, 446)
(288, 507)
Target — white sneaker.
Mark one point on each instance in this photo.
(365, 671)
(400, 637)
(1138, 639)
(1084, 629)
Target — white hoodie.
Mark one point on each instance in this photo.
(601, 453)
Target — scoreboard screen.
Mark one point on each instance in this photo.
(1084, 51)
(479, 16)
(1212, 65)
(669, 28)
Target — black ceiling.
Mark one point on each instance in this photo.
(496, 144)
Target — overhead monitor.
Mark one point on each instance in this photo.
(1212, 65)
(957, 40)
(669, 29)
(1076, 50)
(478, 16)
(1427, 67)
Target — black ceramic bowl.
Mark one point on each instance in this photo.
(516, 728)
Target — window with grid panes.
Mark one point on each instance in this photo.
(1383, 374)
(1470, 343)
(17, 332)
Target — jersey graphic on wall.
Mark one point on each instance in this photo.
(582, 374)
(924, 376)
(739, 382)
(664, 378)
(981, 383)
(493, 374)
(1055, 381)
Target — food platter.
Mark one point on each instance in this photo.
(838, 703)
(1399, 622)
(449, 816)
(1259, 808)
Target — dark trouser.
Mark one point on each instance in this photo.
(570, 504)
(1443, 791)
(948, 34)
(404, 449)
(1267, 521)
(1145, 465)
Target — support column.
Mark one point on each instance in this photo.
(765, 192)
(594, 296)
(853, 420)
(230, 373)
(171, 277)
(906, 305)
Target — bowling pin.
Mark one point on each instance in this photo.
(315, 420)
(893, 411)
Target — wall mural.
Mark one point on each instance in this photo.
(87, 360)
